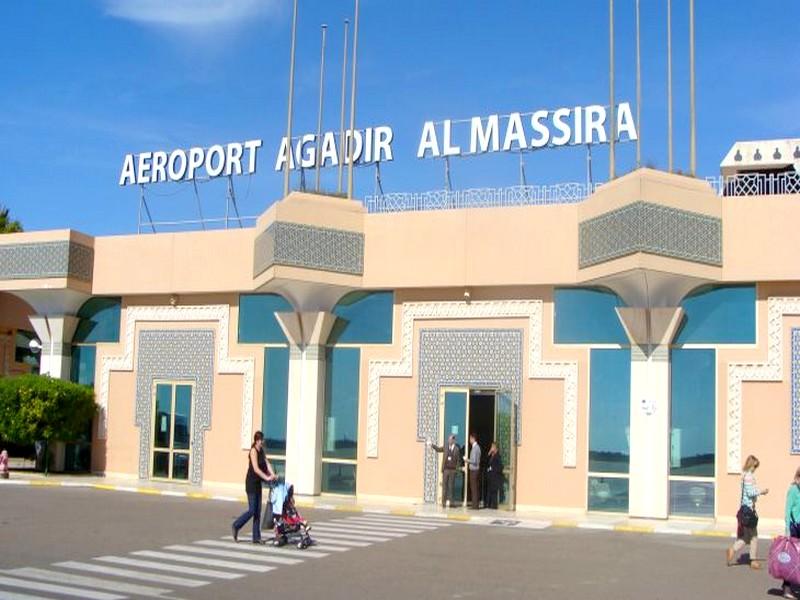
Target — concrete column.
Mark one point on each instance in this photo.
(307, 333)
(650, 331)
(55, 333)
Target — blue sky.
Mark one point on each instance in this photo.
(86, 81)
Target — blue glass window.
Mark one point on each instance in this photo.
(609, 411)
(608, 494)
(587, 316)
(257, 322)
(719, 315)
(691, 498)
(693, 418)
(275, 399)
(83, 361)
(341, 403)
(363, 318)
(99, 321)
(338, 478)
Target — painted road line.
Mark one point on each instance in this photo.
(390, 522)
(336, 532)
(4, 595)
(265, 548)
(313, 537)
(334, 540)
(358, 529)
(52, 588)
(130, 574)
(429, 522)
(90, 582)
(211, 562)
(385, 526)
(278, 560)
(160, 566)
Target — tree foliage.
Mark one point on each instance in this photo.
(8, 225)
(36, 407)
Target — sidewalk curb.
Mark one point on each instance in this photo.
(506, 521)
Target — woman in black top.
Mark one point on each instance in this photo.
(494, 476)
(258, 470)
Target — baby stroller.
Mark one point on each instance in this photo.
(289, 525)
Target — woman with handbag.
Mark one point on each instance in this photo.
(747, 517)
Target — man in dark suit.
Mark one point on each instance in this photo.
(451, 463)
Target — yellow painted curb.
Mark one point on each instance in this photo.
(634, 529)
(458, 517)
(348, 508)
(304, 504)
(104, 486)
(43, 483)
(704, 533)
(198, 495)
(150, 491)
(565, 524)
(399, 512)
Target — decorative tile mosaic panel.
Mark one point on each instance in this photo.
(46, 259)
(795, 390)
(652, 228)
(320, 248)
(482, 358)
(186, 355)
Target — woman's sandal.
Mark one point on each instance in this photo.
(730, 555)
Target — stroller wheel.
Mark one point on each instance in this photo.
(301, 544)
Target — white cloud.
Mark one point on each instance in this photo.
(191, 14)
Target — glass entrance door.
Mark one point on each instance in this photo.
(172, 431)
(506, 435)
(454, 416)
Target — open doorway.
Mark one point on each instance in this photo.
(490, 415)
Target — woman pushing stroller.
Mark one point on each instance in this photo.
(258, 470)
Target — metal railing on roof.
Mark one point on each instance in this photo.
(756, 184)
(518, 195)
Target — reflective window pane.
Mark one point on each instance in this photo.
(279, 466)
(719, 315)
(338, 478)
(183, 417)
(83, 362)
(608, 494)
(609, 411)
(99, 321)
(341, 403)
(163, 413)
(693, 419)
(363, 318)
(691, 498)
(587, 315)
(180, 466)
(275, 400)
(161, 464)
(257, 323)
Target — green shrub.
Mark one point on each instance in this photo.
(36, 407)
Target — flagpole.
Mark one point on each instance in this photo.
(289, 111)
(341, 119)
(638, 93)
(321, 95)
(612, 112)
(692, 113)
(352, 108)
(669, 86)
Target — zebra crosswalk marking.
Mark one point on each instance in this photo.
(230, 544)
(327, 547)
(412, 526)
(378, 529)
(15, 596)
(211, 562)
(337, 533)
(64, 590)
(90, 582)
(430, 522)
(130, 574)
(245, 556)
(160, 566)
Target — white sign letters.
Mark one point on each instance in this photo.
(183, 165)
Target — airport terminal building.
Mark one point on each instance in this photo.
(626, 348)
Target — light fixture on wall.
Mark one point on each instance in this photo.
(173, 300)
(467, 296)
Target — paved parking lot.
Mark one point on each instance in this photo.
(61, 543)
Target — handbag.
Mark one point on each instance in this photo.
(746, 516)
